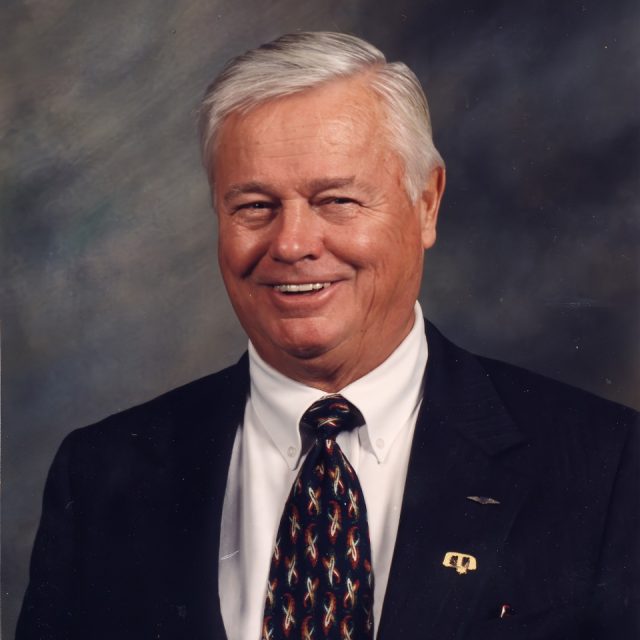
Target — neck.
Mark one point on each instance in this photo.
(321, 373)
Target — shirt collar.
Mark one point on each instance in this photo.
(387, 396)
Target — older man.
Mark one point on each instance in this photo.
(352, 477)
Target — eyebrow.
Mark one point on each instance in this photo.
(315, 186)
(244, 187)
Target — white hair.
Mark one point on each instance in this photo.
(296, 62)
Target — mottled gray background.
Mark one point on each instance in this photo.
(110, 292)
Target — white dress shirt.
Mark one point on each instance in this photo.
(267, 455)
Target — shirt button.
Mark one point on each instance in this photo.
(291, 451)
(380, 443)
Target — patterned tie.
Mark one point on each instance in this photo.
(320, 582)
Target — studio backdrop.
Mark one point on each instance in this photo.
(110, 290)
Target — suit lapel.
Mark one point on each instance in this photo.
(460, 448)
(203, 448)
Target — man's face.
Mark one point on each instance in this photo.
(320, 247)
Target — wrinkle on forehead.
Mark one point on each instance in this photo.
(351, 112)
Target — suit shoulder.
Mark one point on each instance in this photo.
(182, 408)
(540, 400)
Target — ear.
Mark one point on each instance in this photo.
(429, 203)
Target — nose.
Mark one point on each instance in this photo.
(297, 233)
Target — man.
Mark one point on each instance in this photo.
(467, 499)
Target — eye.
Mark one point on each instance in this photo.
(338, 200)
(259, 205)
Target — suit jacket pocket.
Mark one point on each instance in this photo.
(566, 623)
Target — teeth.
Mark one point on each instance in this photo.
(301, 288)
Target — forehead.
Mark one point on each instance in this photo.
(340, 116)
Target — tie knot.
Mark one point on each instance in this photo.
(330, 415)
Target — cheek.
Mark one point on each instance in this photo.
(238, 252)
(396, 246)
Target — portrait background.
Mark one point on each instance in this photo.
(110, 291)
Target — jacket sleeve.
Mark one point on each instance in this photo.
(47, 609)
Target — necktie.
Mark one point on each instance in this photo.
(320, 581)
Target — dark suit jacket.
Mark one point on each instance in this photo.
(128, 542)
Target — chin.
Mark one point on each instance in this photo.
(304, 341)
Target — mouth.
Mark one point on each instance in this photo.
(301, 288)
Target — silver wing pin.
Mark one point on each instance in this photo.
(483, 500)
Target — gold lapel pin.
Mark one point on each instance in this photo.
(461, 562)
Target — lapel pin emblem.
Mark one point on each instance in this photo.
(461, 562)
(483, 500)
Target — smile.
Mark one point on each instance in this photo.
(301, 288)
